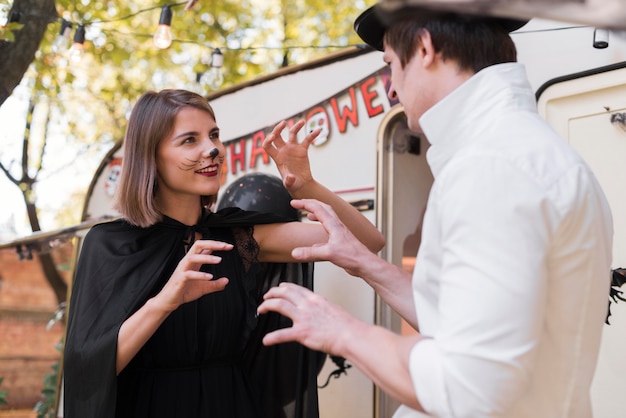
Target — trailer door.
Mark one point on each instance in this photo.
(403, 183)
(589, 111)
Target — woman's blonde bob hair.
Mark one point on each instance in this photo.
(151, 120)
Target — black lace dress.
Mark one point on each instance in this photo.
(206, 359)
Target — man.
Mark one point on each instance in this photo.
(509, 291)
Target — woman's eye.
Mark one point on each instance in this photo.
(214, 135)
(189, 140)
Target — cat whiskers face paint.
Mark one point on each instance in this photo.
(191, 165)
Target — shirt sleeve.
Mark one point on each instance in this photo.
(494, 222)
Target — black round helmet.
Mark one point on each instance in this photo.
(261, 193)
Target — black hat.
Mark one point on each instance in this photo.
(371, 24)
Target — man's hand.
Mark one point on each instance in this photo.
(317, 323)
(342, 249)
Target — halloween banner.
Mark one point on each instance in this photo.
(333, 116)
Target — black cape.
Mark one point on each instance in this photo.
(122, 266)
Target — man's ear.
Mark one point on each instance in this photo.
(426, 49)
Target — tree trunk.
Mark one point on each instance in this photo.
(51, 273)
(15, 57)
(58, 285)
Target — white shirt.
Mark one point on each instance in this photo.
(512, 277)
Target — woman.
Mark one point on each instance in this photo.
(164, 300)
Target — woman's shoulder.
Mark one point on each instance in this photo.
(109, 226)
(119, 232)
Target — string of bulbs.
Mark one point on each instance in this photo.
(163, 38)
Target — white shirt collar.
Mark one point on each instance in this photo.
(459, 117)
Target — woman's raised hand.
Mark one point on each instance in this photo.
(188, 283)
(291, 157)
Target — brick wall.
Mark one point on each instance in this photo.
(27, 348)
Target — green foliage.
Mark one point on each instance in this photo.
(7, 32)
(121, 62)
(3, 394)
(8, 29)
(45, 408)
(252, 34)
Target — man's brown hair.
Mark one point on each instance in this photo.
(473, 43)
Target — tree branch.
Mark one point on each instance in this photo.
(8, 174)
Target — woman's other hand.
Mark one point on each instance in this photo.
(188, 283)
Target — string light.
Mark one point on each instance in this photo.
(163, 35)
(600, 38)
(214, 78)
(217, 59)
(14, 17)
(162, 38)
(62, 42)
(78, 47)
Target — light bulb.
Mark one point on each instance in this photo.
(217, 58)
(76, 53)
(62, 41)
(14, 16)
(600, 38)
(163, 35)
(78, 47)
(217, 77)
(214, 78)
(196, 85)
